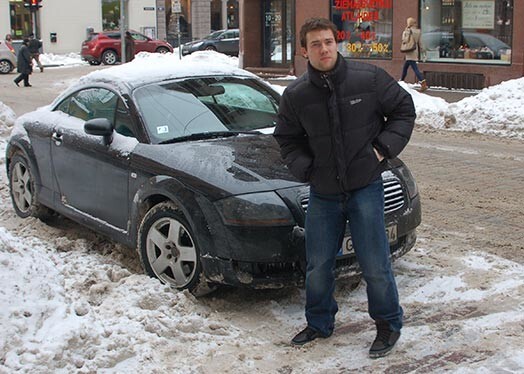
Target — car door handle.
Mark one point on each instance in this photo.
(57, 138)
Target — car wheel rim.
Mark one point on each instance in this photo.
(5, 67)
(171, 252)
(110, 58)
(21, 187)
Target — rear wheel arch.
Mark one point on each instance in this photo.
(23, 187)
(26, 152)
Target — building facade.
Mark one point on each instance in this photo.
(468, 43)
(62, 25)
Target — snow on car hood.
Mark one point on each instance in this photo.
(220, 167)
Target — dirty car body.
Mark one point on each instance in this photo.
(184, 169)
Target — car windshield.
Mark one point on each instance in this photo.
(193, 106)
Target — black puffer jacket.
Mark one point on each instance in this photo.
(328, 124)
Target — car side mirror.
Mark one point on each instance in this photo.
(100, 127)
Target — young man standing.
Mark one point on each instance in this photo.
(337, 126)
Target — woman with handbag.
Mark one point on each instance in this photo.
(411, 47)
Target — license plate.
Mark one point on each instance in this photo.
(347, 245)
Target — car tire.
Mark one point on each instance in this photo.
(210, 48)
(162, 50)
(5, 67)
(168, 250)
(23, 192)
(94, 62)
(109, 57)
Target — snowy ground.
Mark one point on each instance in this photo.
(73, 301)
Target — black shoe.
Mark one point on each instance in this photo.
(27, 85)
(41, 70)
(17, 83)
(307, 335)
(385, 340)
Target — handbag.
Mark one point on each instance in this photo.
(408, 42)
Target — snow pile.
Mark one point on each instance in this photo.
(496, 110)
(431, 111)
(67, 307)
(70, 59)
(7, 118)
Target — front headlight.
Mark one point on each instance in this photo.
(411, 184)
(258, 209)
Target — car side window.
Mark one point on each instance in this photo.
(90, 103)
(64, 105)
(139, 37)
(123, 121)
(94, 103)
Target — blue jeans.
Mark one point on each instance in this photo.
(325, 225)
(414, 66)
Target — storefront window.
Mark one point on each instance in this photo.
(365, 27)
(469, 31)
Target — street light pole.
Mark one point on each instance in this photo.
(176, 8)
(122, 33)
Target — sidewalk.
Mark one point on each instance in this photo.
(450, 95)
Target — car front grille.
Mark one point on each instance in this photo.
(393, 196)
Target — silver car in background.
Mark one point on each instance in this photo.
(7, 57)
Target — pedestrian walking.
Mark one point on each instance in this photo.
(337, 126)
(24, 64)
(411, 46)
(129, 47)
(34, 49)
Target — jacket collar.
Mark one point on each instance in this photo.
(337, 75)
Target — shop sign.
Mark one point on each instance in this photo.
(358, 22)
(478, 14)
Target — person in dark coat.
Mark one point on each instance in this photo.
(129, 46)
(24, 64)
(34, 49)
(337, 126)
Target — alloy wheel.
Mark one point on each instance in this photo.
(171, 252)
(109, 57)
(5, 67)
(21, 187)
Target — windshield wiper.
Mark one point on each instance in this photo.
(208, 135)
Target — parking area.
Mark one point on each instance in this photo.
(462, 286)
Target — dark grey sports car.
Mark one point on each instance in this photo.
(177, 161)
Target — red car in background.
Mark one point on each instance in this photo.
(105, 47)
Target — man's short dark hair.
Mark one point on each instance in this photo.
(314, 24)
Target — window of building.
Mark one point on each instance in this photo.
(21, 19)
(365, 28)
(469, 31)
(110, 14)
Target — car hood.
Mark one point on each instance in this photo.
(220, 167)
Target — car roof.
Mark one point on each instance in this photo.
(149, 68)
